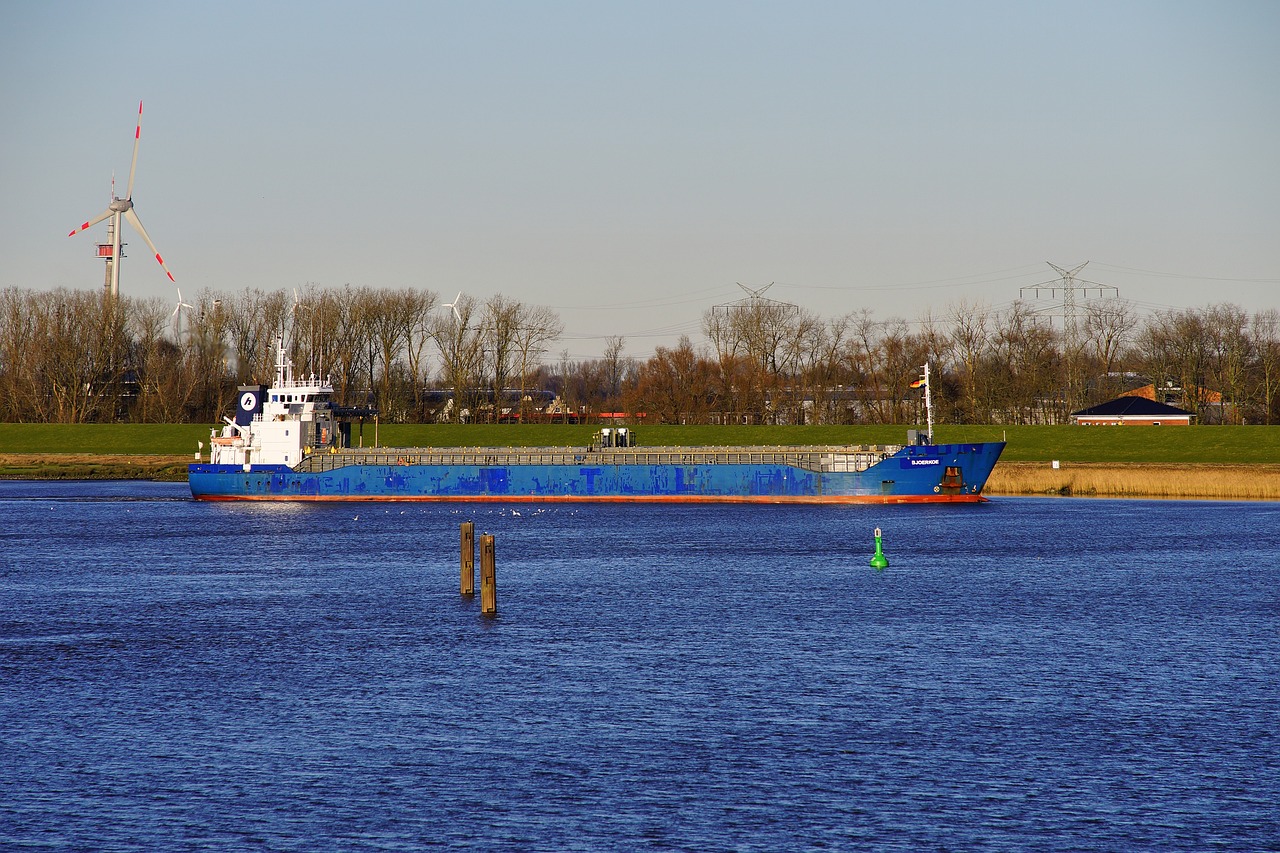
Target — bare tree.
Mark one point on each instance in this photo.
(536, 326)
(16, 341)
(252, 319)
(499, 322)
(1026, 363)
(393, 318)
(749, 338)
(1174, 347)
(78, 353)
(971, 337)
(800, 348)
(415, 314)
(938, 350)
(461, 348)
(1107, 331)
(149, 353)
(345, 313)
(208, 358)
(567, 395)
(615, 366)
(1230, 354)
(1264, 333)
(823, 369)
(901, 357)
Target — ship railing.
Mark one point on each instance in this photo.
(817, 459)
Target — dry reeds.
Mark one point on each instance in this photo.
(1132, 480)
(92, 466)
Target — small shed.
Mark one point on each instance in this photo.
(1132, 410)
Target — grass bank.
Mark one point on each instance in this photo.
(1224, 445)
(104, 439)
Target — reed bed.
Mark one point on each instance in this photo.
(92, 466)
(1086, 479)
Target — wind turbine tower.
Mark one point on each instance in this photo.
(118, 209)
(108, 250)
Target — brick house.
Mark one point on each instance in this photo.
(1132, 410)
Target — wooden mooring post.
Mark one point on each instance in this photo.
(488, 581)
(468, 586)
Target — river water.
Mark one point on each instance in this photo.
(1028, 674)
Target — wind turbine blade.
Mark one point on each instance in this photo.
(137, 226)
(91, 222)
(133, 167)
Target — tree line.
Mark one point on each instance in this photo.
(1013, 365)
(70, 356)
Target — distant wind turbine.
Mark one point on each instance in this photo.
(122, 208)
(177, 316)
(454, 306)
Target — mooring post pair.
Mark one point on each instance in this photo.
(488, 579)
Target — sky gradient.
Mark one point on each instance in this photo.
(626, 164)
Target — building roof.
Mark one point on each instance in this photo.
(1149, 391)
(1132, 407)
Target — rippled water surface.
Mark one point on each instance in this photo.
(1026, 675)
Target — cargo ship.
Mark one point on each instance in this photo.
(290, 442)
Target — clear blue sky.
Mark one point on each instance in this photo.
(627, 163)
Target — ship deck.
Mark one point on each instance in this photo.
(843, 458)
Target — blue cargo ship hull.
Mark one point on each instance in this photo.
(915, 473)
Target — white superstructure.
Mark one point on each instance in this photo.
(280, 424)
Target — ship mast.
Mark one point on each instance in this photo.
(928, 405)
(284, 372)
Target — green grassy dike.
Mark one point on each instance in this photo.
(161, 451)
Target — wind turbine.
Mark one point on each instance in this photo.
(122, 208)
(454, 306)
(293, 313)
(176, 316)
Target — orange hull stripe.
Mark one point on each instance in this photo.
(758, 499)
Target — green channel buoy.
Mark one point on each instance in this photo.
(879, 560)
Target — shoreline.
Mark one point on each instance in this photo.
(1222, 481)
